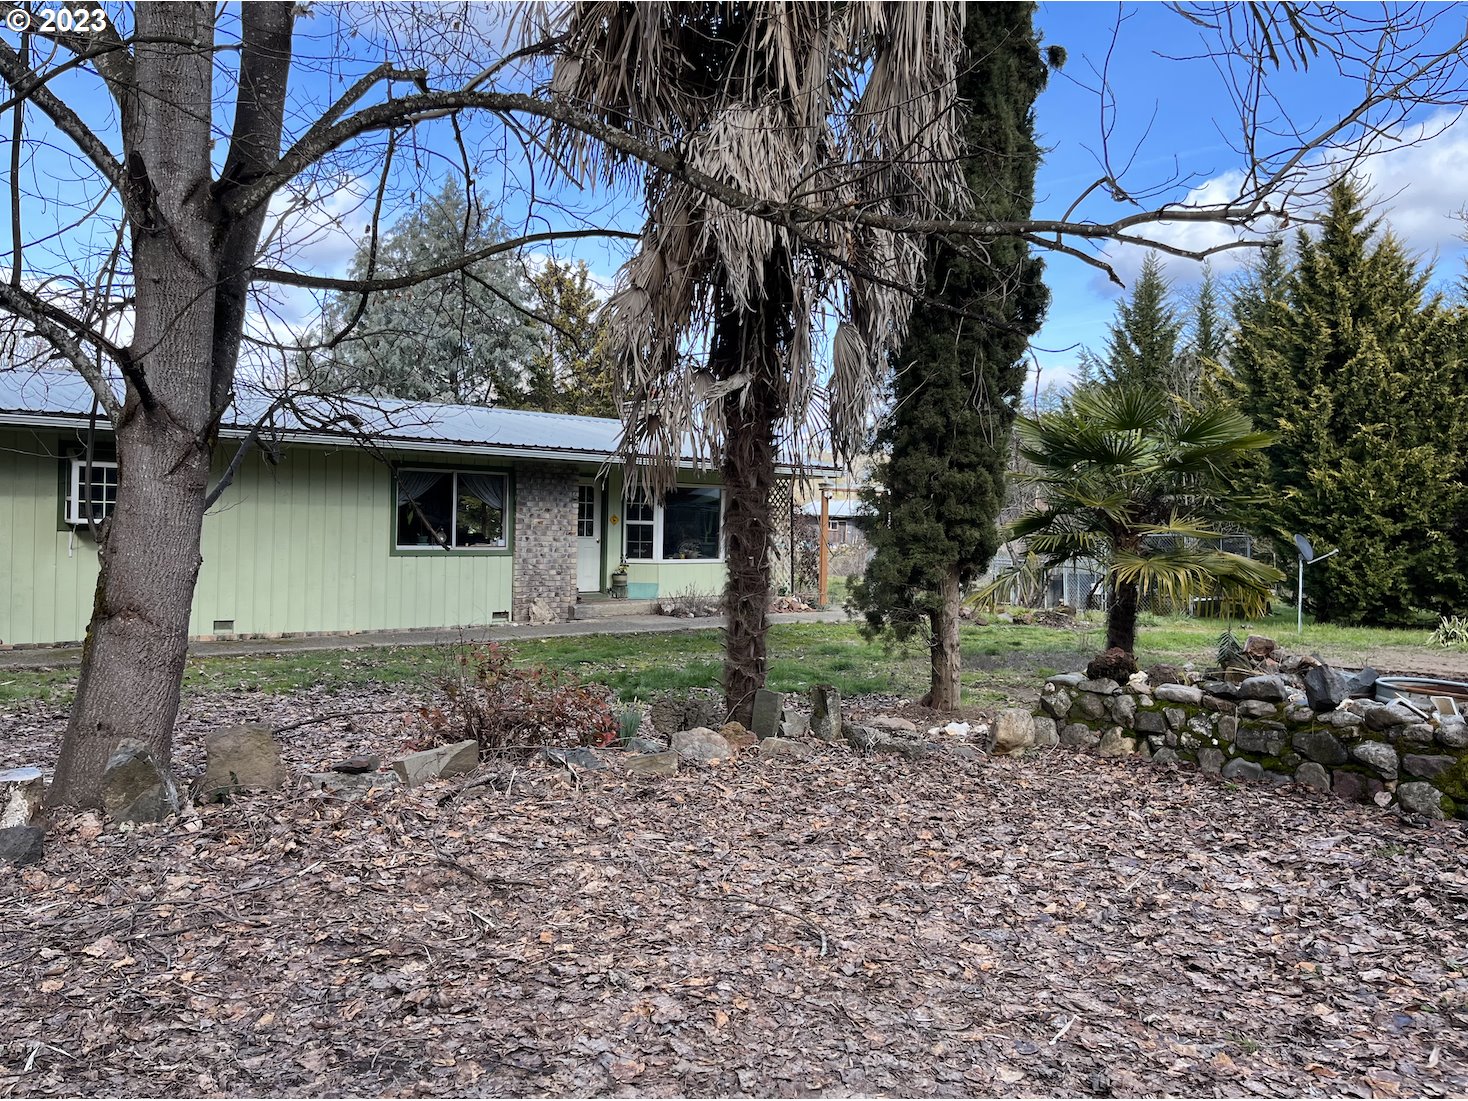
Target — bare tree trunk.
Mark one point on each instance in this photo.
(1121, 617)
(947, 661)
(132, 663)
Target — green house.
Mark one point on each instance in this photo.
(386, 516)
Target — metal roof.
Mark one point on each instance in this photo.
(63, 399)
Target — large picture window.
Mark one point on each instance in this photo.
(451, 510)
(687, 526)
(91, 500)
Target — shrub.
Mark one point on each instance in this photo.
(509, 709)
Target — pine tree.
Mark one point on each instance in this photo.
(1142, 341)
(939, 480)
(569, 372)
(1360, 373)
(463, 338)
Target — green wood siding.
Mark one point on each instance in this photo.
(302, 546)
(670, 578)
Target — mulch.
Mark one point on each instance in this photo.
(842, 925)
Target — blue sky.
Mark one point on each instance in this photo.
(1171, 127)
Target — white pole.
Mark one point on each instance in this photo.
(1300, 600)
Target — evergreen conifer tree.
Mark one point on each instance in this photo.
(1142, 342)
(939, 478)
(1360, 374)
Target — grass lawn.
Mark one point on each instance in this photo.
(1002, 662)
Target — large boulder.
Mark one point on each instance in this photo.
(1014, 731)
(135, 787)
(241, 758)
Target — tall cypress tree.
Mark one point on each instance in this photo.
(938, 483)
(1360, 373)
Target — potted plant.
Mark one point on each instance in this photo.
(619, 582)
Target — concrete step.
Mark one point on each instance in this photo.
(610, 609)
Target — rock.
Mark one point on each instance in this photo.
(795, 724)
(768, 709)
(1453, 732)
(825, 719)
(1228, 727)
(737, 737)
(1176, 717)
(701, 744)
(1380, 716)
(1260, 647)
(22, 795)
(1014, 731)
(1137, 682)
(1427, 767)
(1417, 733)
(241, 758)
(1164, 756)
(1258, 709)
(668, 713)
(653, 764)
(1379, 756)
(1116, 744)
(1165, 674)
(1272, 689)
(1341, 719)
(911, 748)
(1240, 769)
(1180, 693)
(1313, 776)
(1220, 688)
(1362, 685)
(1220, 705)
(1301, 714)
(1079, 736)
(1114, 664)
(861, 736)
(1350, 785)
(1057, 703)
(542, 611)
(1325, 688)
(644, 745)
(1065, 680)
(1123, 709)
(1267, 739)
(22, 844)
(1210, 760)
(775, 746)
(135, 788)
(1099, 686)
(965, 752)
(417, 769)
(362, 762)
(353, 786)
(1320, 745)
(573, 757)
(1420, 798)
(1151, 722)
(894, 723)
(1046, 733)
(953, 730)
(1087, 705)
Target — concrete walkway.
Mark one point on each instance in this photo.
(62, 656)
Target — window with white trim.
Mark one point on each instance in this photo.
(451, 510)
(94, 499)
(688, 525)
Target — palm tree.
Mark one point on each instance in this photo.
(716, 327)
(1128, 477)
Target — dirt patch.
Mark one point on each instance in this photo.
(844, 925)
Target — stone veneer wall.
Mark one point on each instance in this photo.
(545, 543)
(1263, 729)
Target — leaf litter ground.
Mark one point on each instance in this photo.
(841, 925)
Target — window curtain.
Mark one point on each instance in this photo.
(489, 488)
(413, 484)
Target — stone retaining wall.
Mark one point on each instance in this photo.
(1265, 729)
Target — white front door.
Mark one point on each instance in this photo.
(588, 538)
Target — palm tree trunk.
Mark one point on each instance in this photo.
(1121, 617)
(947, 661)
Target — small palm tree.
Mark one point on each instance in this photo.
(1130, 478)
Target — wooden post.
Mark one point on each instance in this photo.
(825, 556)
